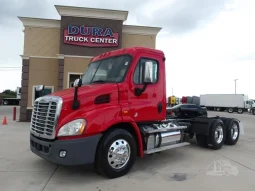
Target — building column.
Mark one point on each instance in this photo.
(60, 71)
(24, 117)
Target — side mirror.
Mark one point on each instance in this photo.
(77, 83)
(76, 103)
(39, 88)
(147, 74)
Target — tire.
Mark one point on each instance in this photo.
(230, 110)
(202, 141)
(214, 141)
(253, 111)
(240, 111)
(232, 132)
(114, 139)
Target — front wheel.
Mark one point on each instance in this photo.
(116, 153)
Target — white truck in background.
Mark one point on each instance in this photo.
(252, 108)
(227, 102)
(13, 101)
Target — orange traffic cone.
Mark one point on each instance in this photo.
(4, 121)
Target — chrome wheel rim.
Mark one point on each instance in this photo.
(119, 154)
(234, 132)
(218, 134)
(240, 110)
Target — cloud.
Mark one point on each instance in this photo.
(247, 57)
(178, 17)
(175, 16)
(10, 9)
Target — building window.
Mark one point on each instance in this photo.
(47, 90)
(139, 69)
(72, 77)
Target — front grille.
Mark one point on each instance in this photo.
(44, 116)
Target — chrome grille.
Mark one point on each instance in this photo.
(45, 116)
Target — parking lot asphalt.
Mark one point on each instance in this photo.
(187, 168)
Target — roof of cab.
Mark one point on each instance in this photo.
(129, 50)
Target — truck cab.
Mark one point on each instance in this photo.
(251, 106)
(115, 112)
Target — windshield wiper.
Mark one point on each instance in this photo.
(98, 81)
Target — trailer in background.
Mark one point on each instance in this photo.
(13, 101)
(191, 100)
(173, 100)
(226, 102)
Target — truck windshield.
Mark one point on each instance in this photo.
(110, 70)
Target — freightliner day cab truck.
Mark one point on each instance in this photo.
(116, 112)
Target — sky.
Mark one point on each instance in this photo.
(207, 43)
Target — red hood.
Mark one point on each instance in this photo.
(86, 96)
(86, 91)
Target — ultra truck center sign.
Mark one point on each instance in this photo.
(90, 36)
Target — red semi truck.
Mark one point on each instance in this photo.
(116, 112)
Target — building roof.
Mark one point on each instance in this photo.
(92, 12)
(89, 13)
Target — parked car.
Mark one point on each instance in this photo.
(186, 110)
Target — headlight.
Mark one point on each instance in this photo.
(75, 127)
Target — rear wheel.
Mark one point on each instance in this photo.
(232, 133)
(116, 153)
(230, 110)
(240, 111)
(217, 134)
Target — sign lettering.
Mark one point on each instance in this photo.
(90, 36)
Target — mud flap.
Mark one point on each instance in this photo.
(241, 128)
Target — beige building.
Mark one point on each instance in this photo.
(56, 52)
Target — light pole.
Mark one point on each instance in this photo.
(235, 84)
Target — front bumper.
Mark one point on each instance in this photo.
(78, 152)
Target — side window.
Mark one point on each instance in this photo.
(139, 71)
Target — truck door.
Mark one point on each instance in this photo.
(248, 104)
(151, 104)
